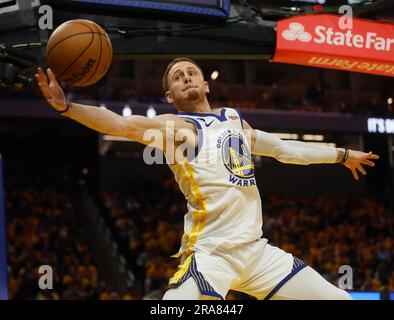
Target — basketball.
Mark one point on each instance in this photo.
(79, 52)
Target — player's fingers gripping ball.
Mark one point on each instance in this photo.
(79, 52)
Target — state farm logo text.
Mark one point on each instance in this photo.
(327, 35)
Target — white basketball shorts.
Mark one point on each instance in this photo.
(256, 268)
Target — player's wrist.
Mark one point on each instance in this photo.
(67, 108)
(342, 155)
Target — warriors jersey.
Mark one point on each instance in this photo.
(224, 205)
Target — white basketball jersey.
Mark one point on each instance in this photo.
(224, 205)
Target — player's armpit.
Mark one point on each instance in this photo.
(249, 133)
(260, 142)
(266, 144)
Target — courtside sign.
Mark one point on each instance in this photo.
(318, 41)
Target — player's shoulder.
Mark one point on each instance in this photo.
(235, 114)
(167, 116)
(232, 113)
(170, 117)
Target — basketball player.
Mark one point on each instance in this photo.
(222, 246)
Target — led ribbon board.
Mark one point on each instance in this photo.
(319, 41)
(380, 125)
(211, 8)
(365, 295)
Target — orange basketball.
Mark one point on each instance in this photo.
(79, 52)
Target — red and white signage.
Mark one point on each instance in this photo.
(318, 41)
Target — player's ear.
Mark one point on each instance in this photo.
(169, 97)
(206, 85)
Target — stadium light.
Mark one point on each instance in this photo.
(214, 75)
(127, 111)
(151, 112)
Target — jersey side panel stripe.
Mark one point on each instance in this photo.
(182, 270)
(200, 215)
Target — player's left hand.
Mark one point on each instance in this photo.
(356, 159)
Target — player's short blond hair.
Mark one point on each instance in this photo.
(170, 65)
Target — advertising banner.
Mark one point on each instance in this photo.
(321, 41)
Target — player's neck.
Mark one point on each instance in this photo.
(198, 107)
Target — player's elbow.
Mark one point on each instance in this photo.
(117, 126)
(288, 155)
(143, 130)
(129, 128)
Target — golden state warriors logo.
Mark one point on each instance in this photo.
(236, 156)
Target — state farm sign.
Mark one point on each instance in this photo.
(317, 40)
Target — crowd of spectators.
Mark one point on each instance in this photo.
(326, 232)
(310, 97)
(146, 219)
(146, 223)
(296, 89)
(330, 231)
(42, 230)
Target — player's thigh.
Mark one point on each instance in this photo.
(309, 285)
(188, 290)
(267, 266)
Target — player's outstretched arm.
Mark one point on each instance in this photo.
(101, 120)
(298, 152)
(105, 121)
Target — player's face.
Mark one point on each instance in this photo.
(186, 84)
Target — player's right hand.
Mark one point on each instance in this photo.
(51, 89)
(356, 159)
